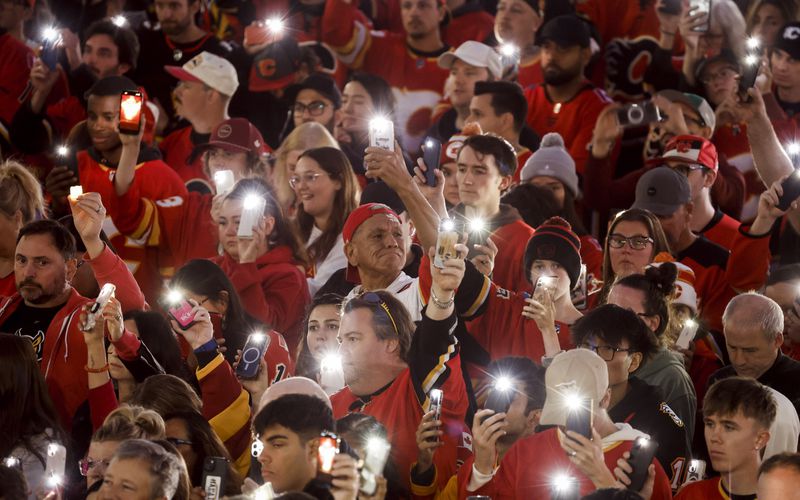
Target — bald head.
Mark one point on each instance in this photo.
(293, 385)
(754, 312)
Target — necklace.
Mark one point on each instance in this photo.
(177, 53)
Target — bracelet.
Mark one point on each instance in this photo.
(440, 304)
(96, 370)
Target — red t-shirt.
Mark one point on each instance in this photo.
(574, 120)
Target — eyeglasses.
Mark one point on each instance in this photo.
(87, 464)
(635, 242)
(308, 178)
(606, 352)
(315, 108)
(179, 441)
(373, 299)
(723, 74)
(686, 168)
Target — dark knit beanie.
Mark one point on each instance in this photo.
(554, 240)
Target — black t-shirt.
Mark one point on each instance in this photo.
(31, 323)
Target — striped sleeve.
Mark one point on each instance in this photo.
(433, 349)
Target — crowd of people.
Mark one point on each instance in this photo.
(399, 249)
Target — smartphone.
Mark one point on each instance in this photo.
(696, 471)
(431, 154)
(381, 133)
(181, 311)
(326, 451)
(252, 212)
(578, 295)
(791, 191)
(499, 400)
(750, 67)
(687, 334)
(635, 115)
(56, 465)
(253, 351)
(445, 242)
(642, 453)
(49, 52)
(214, 472)
(545, 288)
(223, 181)
(703, 6)
(579, 419)
(670, 7)
(436, 396)
(331, 374)
(376, 455)
(130, 112)
(477, 234)
(97, 308)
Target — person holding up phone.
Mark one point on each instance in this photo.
(529, 468)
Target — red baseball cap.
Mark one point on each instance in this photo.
(691, 149)
(236, 135)
(357, 217)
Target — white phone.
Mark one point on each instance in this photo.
(381, 133)
(687, 333)
(97, 308)
(56, 464)
(252, 212)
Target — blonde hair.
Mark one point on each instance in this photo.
(20, 191)
(130, 422)
(304, 137)
(726, 15)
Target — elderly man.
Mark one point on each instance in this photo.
(753, 327)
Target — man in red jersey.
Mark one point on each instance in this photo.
(529, 469)
(390, 366)
(566, 103)
(408, 63)
(737, 413)
(205, 86)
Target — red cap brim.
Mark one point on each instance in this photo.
(181, 74)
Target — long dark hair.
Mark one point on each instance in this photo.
(282, 234)
(306, 365)
(337, 166)
(383, 100)
(206, 443)
(203, 277)
(155, 332)
(27, 410)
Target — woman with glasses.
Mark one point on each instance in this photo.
(649, 295)
(28, 419)
(267, 269)
(327, 191)
(634, 239)
(195, 439)
(126, 422)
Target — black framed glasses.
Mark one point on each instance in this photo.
(638, 242)
(315, 108)
(606, 352)
(375, 302)
(87, 464)
(179, 441)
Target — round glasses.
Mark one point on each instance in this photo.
(635, 242)
(309, 178)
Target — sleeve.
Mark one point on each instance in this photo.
(108, 267)
(226, 406)
(102, 401)
(748, 263)
(470, 483)
(728, 191)
(472, 295)
(349, 37)
(661, 73)
(29, 132)
(142, 364)
(579, 149)
(433, 352)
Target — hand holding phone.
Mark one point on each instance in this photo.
(130, 112)
(327, 450)
(376, 455)
(96, 309)
(791, 191)
(579, 417)
(252, 353)
(641, 455)
(436, 396)
(381, 133)
(431, 155)
(445, 243)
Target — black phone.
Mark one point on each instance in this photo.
(499, 400)
(253, 351)
(670, 7)
(214, 472)
(638, 114)
(791, 191)
(642, 453)
(130, 112)
(49, 53)
(579, 418)
(750, 66)
(436, 396)
(431, 154)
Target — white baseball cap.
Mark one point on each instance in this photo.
(475, 54)
(210, 69)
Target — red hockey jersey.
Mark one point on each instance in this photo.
(177, 150)
(710, 489)
(574, 120)
(416, 79)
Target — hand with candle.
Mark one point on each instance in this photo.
(88, 214)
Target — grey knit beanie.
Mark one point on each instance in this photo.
(552, 160)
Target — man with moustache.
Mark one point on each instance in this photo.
(45, 310)
(567, 102)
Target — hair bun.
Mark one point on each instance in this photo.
(663, 276)
(552, 140)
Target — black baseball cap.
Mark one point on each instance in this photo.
(789, 40)
(276, 66)
(567, 31)
(323, 84)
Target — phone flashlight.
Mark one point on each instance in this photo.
(264, 492)
(503, 384)
(74, 192)
(223, 181)
(62, 151)
(11, 462)
(687, 333)
(381, 133)
(562, 483)
(253, 210)
(326, 451)
(174, 296)
(275, 24)
(753, 43)
(50, 34)
(119, 21)
(331, 373)
(793, 148)
(509, 50)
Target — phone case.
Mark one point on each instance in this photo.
(55, 465)
(182, 313)
(326, 452)
(49, 54)
(638, 115)
(253, 351)
(791, 191)
(214, 472)
(381, 134)
(687, 334)
(431, 154)
(499, 401)
(580, 419)
(223, 181)
(545, 288)
(702, 6)
(374, 462)
(642, 453)
(250, 217)
(445, 243)
(97, 308)
(436, 395)
(750, 67)
(130, 112)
